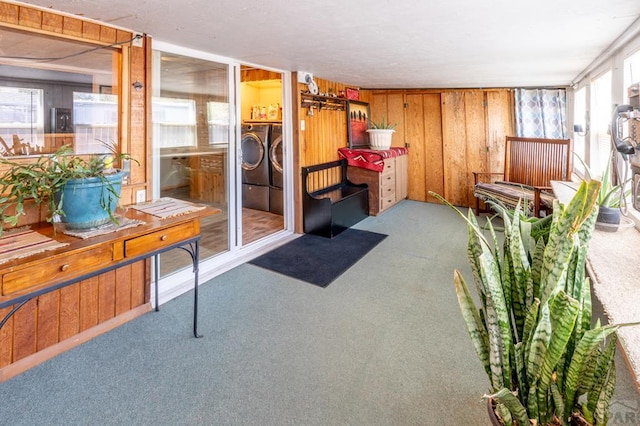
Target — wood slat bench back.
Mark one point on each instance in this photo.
(537, 162)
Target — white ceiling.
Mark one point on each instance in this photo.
(385, 43)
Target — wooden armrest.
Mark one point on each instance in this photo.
(542, 188)
(476, 175)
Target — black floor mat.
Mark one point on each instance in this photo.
(319, 260)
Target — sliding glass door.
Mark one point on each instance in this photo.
(192, 136)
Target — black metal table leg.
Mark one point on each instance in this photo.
(156, 277)
(196, 268)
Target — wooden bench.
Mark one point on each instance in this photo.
(530, 165)
(330, 202)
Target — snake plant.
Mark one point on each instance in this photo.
(533, 328)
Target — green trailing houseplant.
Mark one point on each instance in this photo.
(47, 180)
(532, 329)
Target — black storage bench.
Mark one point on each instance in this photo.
(330, 203)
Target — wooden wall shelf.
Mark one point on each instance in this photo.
(323, 102)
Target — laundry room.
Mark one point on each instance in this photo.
(261, 147)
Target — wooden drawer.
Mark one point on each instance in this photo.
(389, 168)
(57, 269)
(159, 239)
(387, 200)
(387, 179)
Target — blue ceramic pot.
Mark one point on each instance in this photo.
(87, 202)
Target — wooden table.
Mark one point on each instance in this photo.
(87, 278)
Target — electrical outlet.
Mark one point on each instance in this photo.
(141, 196)
(137, 40)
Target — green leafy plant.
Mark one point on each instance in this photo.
(382, 124)
(533, 329)
(609, 194)
(39, 181)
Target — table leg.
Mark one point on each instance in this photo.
(195, 289)
(156, 270)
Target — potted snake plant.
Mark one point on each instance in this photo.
(532, 330)
(81, 191)
(609, 197)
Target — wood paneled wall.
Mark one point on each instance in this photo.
(450, 134)
(326, 130)
(318, 139)
(390, 106)
(63, 314)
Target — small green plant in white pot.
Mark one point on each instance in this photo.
(380, 134)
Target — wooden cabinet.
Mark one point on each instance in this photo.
(208, 178)
(386, 188)
(66, 296)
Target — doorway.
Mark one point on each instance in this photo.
(262, 159)
(201, 105)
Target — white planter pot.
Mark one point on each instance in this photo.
(380, 138)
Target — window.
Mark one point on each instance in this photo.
(579, 138)
(631, 72)
(218, 119)
(21, 120)
(174, 122)
(56, 93)
(601, 110)
(95, 122)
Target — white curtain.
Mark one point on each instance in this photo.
(541, 113)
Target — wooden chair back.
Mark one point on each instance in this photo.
(536, 162)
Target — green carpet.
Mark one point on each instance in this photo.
(384, 344)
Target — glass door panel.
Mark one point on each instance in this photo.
(191, 138)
